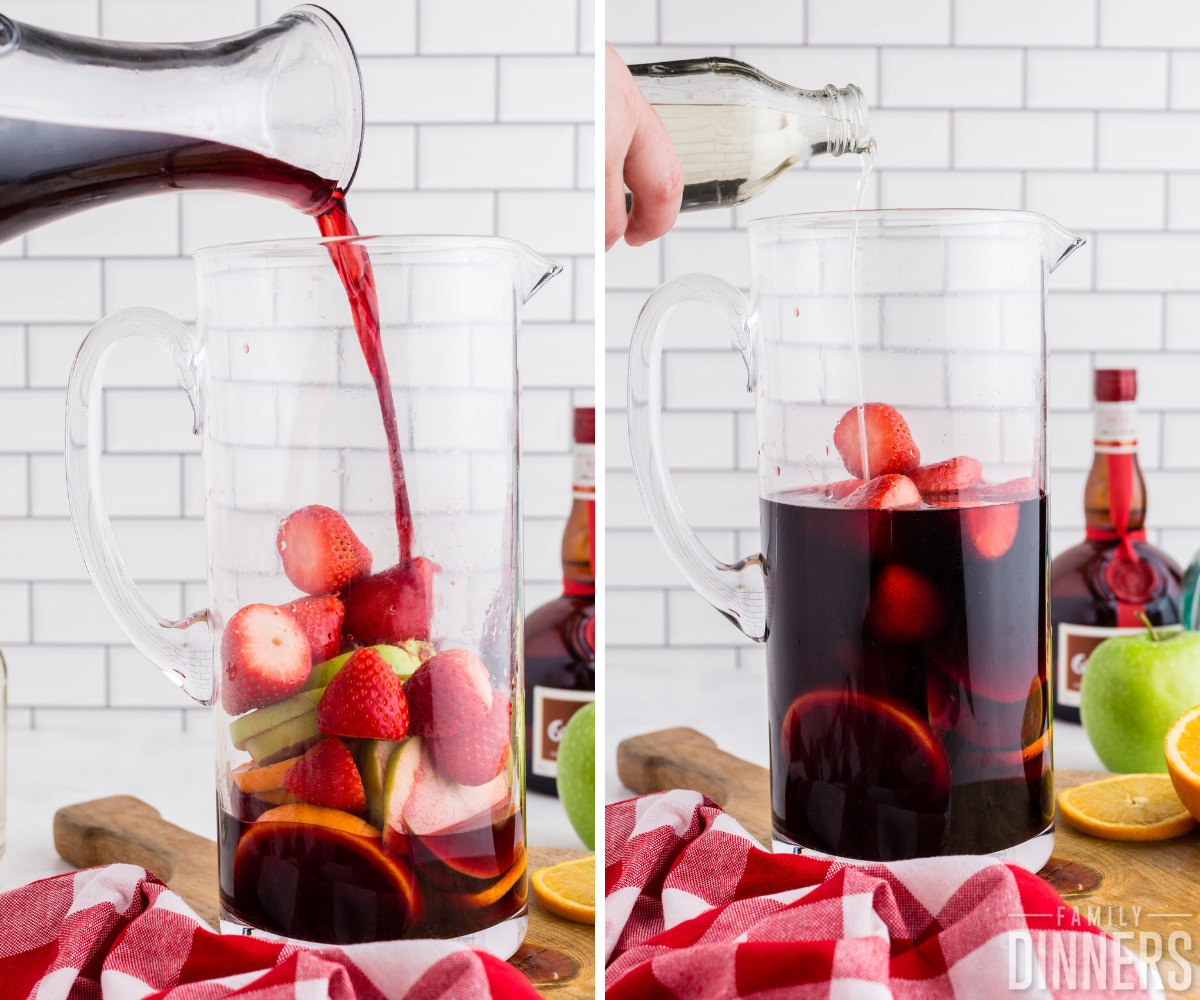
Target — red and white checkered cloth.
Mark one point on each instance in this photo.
(695, 909)
(118, 933)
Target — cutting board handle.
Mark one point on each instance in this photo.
(122, 829)
(685, 758)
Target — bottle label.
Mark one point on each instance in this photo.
(1116, 428)
(552, 709)
(583, 479)
(1076, 643)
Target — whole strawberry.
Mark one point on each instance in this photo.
(265, 657)
(392, 606)
(906, 605)
(321, 620)
(448, 693)
(477, 754)
(327, 776)
(321, 553)
(365, 698)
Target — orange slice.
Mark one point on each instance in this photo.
(277, 796)
(477, 900)
(253, 779)
(568, 889)
(1183, 758)
(333, 819)
(1127, 807)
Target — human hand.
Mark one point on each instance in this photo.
(637, 154)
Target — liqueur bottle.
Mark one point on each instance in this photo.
(1099, 587)
(560, 636)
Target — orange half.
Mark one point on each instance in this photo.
(1183, 758)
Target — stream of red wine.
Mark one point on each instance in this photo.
(354, 268)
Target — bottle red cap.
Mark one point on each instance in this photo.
(585, 425)
(1116, 385)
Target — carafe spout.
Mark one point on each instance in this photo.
(531, 271)
(1058, 243)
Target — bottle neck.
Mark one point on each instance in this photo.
(1115, 495)
(578, 544)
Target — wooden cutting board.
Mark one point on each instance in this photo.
(1104, 879)
(558, 956)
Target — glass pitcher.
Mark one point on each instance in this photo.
(277, 112)
(897, 362)
(370, 764)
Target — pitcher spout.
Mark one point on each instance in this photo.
(1058, 243)
(531, 271)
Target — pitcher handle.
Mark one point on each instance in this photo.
(736, 594)
(185, 657)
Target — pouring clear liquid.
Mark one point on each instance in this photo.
(735, 129)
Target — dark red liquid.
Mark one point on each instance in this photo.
(354, 268)
(885, 745)
(48, 171)
(312, 884)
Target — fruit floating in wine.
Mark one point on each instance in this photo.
(380, 800)
(906, 624)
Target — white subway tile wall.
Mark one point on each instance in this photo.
(479, 121)
(1081, 110)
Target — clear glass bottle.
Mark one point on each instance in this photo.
(735, 129)
(560, 636)
(1099, 587)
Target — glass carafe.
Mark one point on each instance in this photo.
(902, 597)
(276, 112)
(380, 794)
(735, 129)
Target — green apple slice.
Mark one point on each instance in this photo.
(403, 663)
(373, 757)
(399, 778)
(295, 736)
(262, 719)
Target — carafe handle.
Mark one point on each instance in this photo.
(732, 588)
(184, 654)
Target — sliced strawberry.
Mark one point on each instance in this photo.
(991, 530)
(890, 445)
(449, 693)
(948, 476)
(321, 620)
(882, 493)
(1013, 491)
(365, 698)
(906, 605)
(326, 776)
(477, 754)
(838, 490)
(265, 657)
(320, 551)
(392, 606)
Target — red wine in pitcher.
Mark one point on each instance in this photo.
(909, 706)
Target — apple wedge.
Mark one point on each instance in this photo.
(288, 739)
(372, 758)
(262, 719)
(403, 661)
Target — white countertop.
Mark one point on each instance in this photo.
(147, 755)
(730, 706)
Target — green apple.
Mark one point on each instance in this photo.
(373, 757)
(398, 779)
(1134, 688)
(262, 719)
(296, 734)
(577, 773)
(404, 664)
